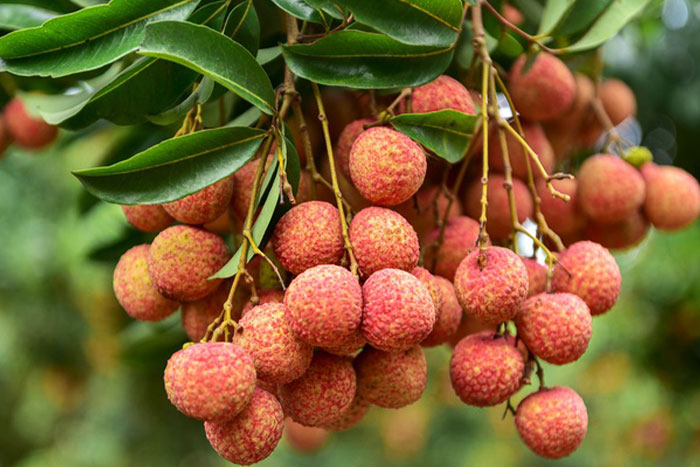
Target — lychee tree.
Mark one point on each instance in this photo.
(393, 175)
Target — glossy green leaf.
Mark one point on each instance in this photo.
(359, 59)
(267, 55)
(178, 112)
(247, 118)
(418, 22)
(212, 14)
(554, 12)
(243, 26)
(581, 16)
(331, 7)
(214, 55)
(174, 168)
(15, 16)
(302, 10)
(86, 39)
(446, 133)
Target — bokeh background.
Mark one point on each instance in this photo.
(81, 385)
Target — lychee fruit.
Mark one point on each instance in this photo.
(350, 346)
(243, 181)
(265, 296)
(449, 316)
(443, 93)
(589, 271)
(183, 258)
(391, 379)
(398, 310)
(431, 284)
(491, 285)
(555, 327)
(620, 235)
(148, 217)
(427, 207)
(382, 238)
(308, 235)
(386, 166)
(486, 369)
(564, 217)
(203, 206)
(324, 305)
(461, 235)
(352, 415)
(210, 381)
(467, 327)
(323, 393)
(198, 315)
(618, 100)
(536, 275)
(253, 434)
(536, 139)
(552, 422)
(26, 130)
(673, 197)
(304, 439)
(346, 140)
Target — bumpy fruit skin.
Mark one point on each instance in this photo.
(350, 346)
(443, 93)
(673, 197)
(323, 393)
(449, 316)
(555, 327)
(386, 166)
(536, 138)
(621, 235)
(618, 100)
(278, 355)
(346, 140)
(203, 206)
(210, 381)
(565, 218)
(243, 182)
(420, 210)
(382, 238)
(461, 234)
(308, 235)
(590, 272)
(552, 422)
(253, 434)
(181, 260)
(352, 415)
(198, 315)
(398, 311)
(265, 296)
(391, 379)
(564, 132)
(536, 275)
(430, 282)
(324, 305)
(609, 189)
(148, 217)
(486, 369)
(304, 439)
(27, 131)
(492, 293)
(135, 291)
(545, 91)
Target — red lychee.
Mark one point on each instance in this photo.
(431, 284)
(351, 416)
(349, 347)
(443, 93)
(147, 217)
(536, 139)
(198, 315)
(203, 206)
(26, 130)
(620, 235)
(265, 296)
(536, 275)
(461, 235)
(564, 217)
(346, 140)
(673, 197)
(304, 439)
(426, 208)
(449, 317)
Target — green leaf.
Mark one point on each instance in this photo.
(302, 10)
(212, 14)
(366, 60)
(446, 132)
(418, 22)
(331, 8)
(267, 55)
(177, 113)
(581, 16)
(174, 168)
(214, 55)
(554, 12)
(15, 16)
(247, 118)
(243, 26)
(86, 39)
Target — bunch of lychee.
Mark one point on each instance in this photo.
(25, 130)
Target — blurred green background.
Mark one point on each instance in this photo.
(81, 385)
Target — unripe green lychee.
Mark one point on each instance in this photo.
(426, 207)
(308, 235)
(386, 166)
(324, 305)
(620, 235)
(589, 271)
(304, 439)
(431, 284)
(352, 415)
(278, 355)
(346, 140)
(673, 197)
(198, 315)
(491, 285)
(564, 217)
(183, 258)
(135, 291)
(382, 238)
(536, 139)
(398, 310)
(552, 422)
(555, 327)
(253, 434)
(449, 317)
(147, 217)
(203, 206)
(544, 91)
(486, 369)
(265, 296)
(391, 379)
(26, 130)
(609, 189)
(323, 393)
(350, 346)
(210, 381)
(442, 93)
(461, 235)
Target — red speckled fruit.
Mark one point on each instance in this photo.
(198, 315)
(461, 234)
(147, 217)
(265, 296)
(243, 181)
(352, 415)
(420, 210)
(391, 379)
(386, 166)
(621, 235)
(351, 346)
(545, 91)
(609, 189)
(536, 275)
(278, 355)
(304, 439)
(449, 317)
(555, 327)
(307, 236)
(536, 138)
(431, 284)
(210, 381)
(443, 93)
(486, 369)
(382, 238)
(491, 288)
(324, 305)
(673, 197)
(565, 218)
(26, 130)
(252, 435)
(134, 290)
(552, 422)
(323, 393)
(203, 206)
(618, 100)
(398, 311)
(589, 271)
(346, 140)
(183, 258)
